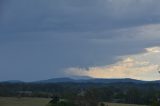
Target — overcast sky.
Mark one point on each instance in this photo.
(42, 39)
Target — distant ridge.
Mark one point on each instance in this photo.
(124, 80)
(13, 81)
(86, 80)
(55, 80)
(92, 80)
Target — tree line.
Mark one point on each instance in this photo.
(80, 93)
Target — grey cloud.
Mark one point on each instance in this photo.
(45, 37)
(77, 15)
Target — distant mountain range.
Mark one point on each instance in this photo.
(91, 80)
(86, 80)
(13, 81)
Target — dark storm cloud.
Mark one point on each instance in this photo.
(45, 37)
(77, 15)
(2, 5)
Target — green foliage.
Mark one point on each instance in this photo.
(62, 103)
(102, 104)
(155, 103)
(126, 92)
(92, 96)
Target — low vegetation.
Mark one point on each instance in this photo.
(11, 101)
(80, 94)
(120, 104)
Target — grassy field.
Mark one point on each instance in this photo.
(118, 104)
(9, 101)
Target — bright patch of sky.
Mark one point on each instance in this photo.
(142, 66)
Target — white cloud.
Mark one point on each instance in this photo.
(143, 66)
(153, 50)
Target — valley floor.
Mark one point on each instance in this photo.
(10, 101)
(119, 104)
